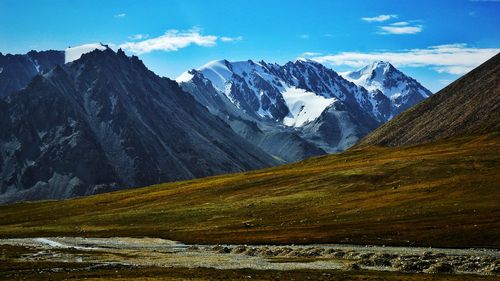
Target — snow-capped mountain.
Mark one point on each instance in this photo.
(293, 95)
(402, 90)
(282, 142)
(105, 122)
(16, 71)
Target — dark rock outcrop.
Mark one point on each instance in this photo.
(16, 71)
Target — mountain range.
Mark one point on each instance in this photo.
(303, 99)
(432, 183)
(85, 121)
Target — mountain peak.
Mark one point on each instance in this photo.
(379, 68)
(106, 55)
(306, 61)
(301, 59)
(402, 90)
(381, 63)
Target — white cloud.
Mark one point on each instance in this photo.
(452, 58)
(379, 18)
(138, 36)
(400, 27)
(120, 15)
(231, 39)
(395, 29)
(453, 69)
(172, 40)
(310, 54)
(400, 23)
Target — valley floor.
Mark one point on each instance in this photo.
(60, 258)
(442, 194)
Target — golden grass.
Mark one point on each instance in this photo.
(439, 194)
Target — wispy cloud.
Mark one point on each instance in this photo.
(379, 18)
(138, 36)
(452, 58)
(310, 54)
(231, 39)
(172, 40)
(445, 81)
(400, 23)
(400, 28)
(304, 36)
(120, 15)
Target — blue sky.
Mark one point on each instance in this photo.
(433, 41)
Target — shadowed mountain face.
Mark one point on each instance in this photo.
(16, 71)
(470, 105)
(105, 122)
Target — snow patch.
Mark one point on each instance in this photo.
(184, 77)
(304, 106)
(74, 53)
(217, 72)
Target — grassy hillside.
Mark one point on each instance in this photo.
(439, 194)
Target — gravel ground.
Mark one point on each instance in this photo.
(137, 252)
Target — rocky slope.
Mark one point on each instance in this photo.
(16, 71)
(470, 105)
(105, 122)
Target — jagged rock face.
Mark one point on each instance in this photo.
(282, 142)
(16, 71)
(403, 91)
(297, 97)
(250, 86)
(106, 122)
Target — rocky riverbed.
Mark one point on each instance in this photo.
(143, 252)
